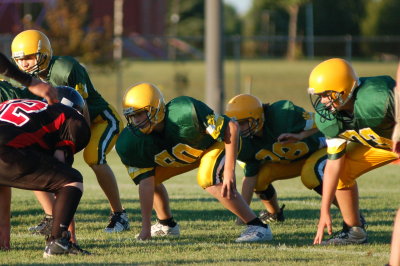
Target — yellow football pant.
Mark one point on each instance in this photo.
(105, 129)
(361, 159)
(210, 167)
(310, 170)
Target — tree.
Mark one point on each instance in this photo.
(292, 8)
(71, 31)
(338, 17)
(382, 20)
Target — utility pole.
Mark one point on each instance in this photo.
(118, 45)
(214, 56)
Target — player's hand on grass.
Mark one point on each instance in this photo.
(144, 235)
(324, 221)
(5, 237)
(229, 185)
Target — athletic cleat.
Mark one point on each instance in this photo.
(75, 249)
(267, 217)
(348, 236)
(44, 227)
(118, 222)
(255, 233)
(158, 229)
(59, 246)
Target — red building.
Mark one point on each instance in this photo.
(144, 17)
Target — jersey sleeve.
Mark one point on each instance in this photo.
(214, 124)
(289, 118)
(252, 168)
(336, 148)
(136, 151)
(80, 78)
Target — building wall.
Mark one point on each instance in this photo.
(143, 17)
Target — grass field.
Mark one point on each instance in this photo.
(207, 230)
(270, 80)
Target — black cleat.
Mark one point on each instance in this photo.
(267, 217)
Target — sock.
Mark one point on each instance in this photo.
(257, 221)
(67, 200)
(169, 222)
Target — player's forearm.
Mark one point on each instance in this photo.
(306, 133)
(146, 195)
(330, 182)
(231, 146)
(11, 71)
(248, 186)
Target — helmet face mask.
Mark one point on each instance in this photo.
(143, 107)
(326, 110)
(252, 127)
(147, 124)
(31, 45)
(331, 86)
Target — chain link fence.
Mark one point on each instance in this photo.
(382, 48)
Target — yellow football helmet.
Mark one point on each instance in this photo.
(144, 97)
(246, 107)
(334, 78)
(32, 42)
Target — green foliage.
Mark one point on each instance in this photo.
(232, 22)
(191, 20)
(338, 17)
(379, 21)
(72, 32)
(381, 18)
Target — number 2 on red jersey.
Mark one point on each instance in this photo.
(15, 111)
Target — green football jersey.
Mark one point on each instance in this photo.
(280, 117)
(67, 71)
(372, 121)
(9, 92)
(190, 127)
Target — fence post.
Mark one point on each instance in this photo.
(348, 49)
(237, 45)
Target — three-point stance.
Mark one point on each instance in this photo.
(164, 140)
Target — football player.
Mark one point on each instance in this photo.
(163, 140)
(357, 117)
(37, 87)
(395, 245)
(32, 52)
(9, 92)
(280, 141)
(37, 145)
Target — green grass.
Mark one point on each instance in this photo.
(208, 230)
(270, 80)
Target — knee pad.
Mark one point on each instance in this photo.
(267, 194)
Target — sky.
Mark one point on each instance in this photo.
(241, 5)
